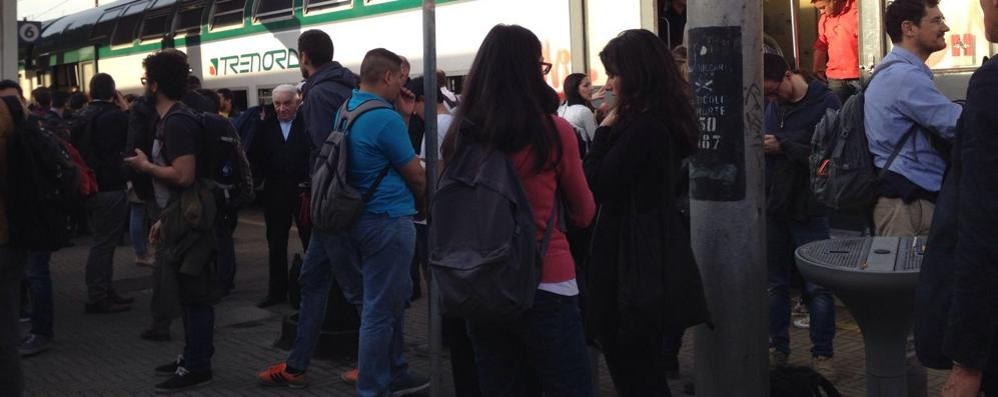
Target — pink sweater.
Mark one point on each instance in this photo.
(576, 197)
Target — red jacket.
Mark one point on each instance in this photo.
(580, 207)
(838, 35)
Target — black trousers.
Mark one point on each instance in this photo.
(637, 364)
(281, 203)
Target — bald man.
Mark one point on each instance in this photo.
(280, 158)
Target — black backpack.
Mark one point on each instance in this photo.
(334, 204)
(485, 257)
(225, 158)
(843, 175)
(44, 188)
(794, 381)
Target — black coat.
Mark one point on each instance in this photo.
(141, 132)
(275, 159)
(323, 94)
(108, 134)
(642, 276)
(957, 295)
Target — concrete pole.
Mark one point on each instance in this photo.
(727, 197)
(8, 39)
(430, 153)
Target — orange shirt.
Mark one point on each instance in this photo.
(838, 35)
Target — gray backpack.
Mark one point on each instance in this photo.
(843, 175)
(485, 257)
(334, 204)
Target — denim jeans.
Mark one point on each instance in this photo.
(108, 210)
(547, 339)
(199, 336)
(41, 293)
(138, 229)
(782, 239)
(371, 264)
(12, 264)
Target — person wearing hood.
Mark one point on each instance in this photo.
(327, 85)
(793, 216)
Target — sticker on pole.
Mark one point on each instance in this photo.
(717, 170)
(28, 32)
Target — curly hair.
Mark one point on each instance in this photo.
(169, 70)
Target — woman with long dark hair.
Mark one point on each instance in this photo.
(507, 106)
(578, 107)
(643, 281)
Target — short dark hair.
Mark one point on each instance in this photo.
(102, 86)
(169, 70)
(899, 11)
(225, 93)
(376, 63)
(212, 98)
(42, 96)
(774, 67)
(5, 84)
(416, 87)
(317, 45)
(193, 82)
(77, 100)
(59, 99)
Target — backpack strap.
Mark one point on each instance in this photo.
(550, 225)
(344, 121)
(897, 149)
(374, 186)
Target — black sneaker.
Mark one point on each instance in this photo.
(33, 344)
(171, 368)
(409, 383)
(184, 380)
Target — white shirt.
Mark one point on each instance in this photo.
(443, 124)
(285, 128)
(581, 118)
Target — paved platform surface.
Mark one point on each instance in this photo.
(102, 355)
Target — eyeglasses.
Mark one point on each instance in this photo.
(143, 80)
(776, 90)
(546, 67)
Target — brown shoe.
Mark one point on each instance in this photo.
(105, 306)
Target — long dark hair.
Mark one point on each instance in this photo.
(506, 100)
(572, 96)
(650, 83)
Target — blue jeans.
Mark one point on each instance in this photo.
(41, 293)
(782, 239)
(371, 265)
(547, 339)
(138, 230)
(199, 336)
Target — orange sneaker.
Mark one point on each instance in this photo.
(278, 375)
(350, 377)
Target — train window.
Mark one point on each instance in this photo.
(155, 27)
(966, 45)
(227, 13)
(124, 33)
(323, 5)
(377, 1)
(189, 19)
(270, 9)
(104, 25)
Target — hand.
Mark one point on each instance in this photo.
(406, 103)
(139, 162)
(610, 119)
(154, 233)
(120, 101)
(599, 94)
(770, 145)
(962, 382)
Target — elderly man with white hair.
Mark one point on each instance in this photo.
(280, 158)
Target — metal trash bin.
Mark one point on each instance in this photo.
(875, 277)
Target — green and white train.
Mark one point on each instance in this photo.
(249, 45)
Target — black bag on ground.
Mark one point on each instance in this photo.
(335, 205)
(43, 185)
(485, 258)
(794, 381)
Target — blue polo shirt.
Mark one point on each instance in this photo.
(377, 139)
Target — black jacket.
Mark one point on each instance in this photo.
(323, 94)
(108, 132)
(275, 159)
(141, 131)
(642, 276)
(957, 295)
(788, 185)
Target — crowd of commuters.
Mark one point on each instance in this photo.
(624, 281)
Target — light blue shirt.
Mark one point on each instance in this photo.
(285, 128)
(898, 98)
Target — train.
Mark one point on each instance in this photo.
(248, 46)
